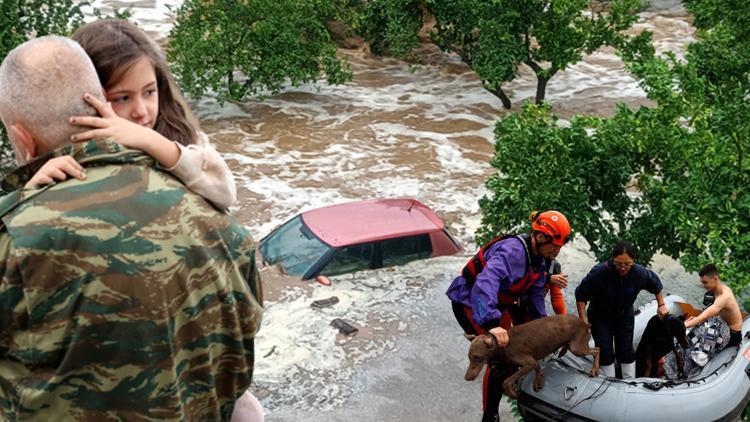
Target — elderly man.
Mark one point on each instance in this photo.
(123, 295)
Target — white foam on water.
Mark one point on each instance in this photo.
(300, 355)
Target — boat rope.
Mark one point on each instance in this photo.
(651, 385)
(590, 397)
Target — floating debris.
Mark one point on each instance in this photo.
(324, 303)
(344, 327)
(270, 352)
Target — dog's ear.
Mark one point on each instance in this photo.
(488, 341)
(469, 337)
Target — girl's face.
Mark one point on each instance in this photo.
(135, 96)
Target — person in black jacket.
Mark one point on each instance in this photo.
(612, 288)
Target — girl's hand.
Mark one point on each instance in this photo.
(58, 168)
(109, 125)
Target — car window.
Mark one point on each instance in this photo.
(294, 246)
(401, 250)
(350, 259)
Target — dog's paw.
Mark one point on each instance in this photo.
(511, 390)
(538, 380)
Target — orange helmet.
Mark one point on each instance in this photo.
(553, 224)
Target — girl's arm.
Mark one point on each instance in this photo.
(199, 167)
(204, 172)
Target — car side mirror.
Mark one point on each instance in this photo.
(323, 280)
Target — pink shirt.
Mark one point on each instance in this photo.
(204, 172)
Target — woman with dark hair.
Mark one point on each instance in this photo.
(612, 288)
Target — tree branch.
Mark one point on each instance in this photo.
(246, 86)
(499, 93)
(534, 66)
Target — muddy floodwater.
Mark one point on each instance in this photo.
(396, 130)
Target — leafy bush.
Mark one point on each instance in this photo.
(252, 48)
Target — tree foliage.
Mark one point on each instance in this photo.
(240, 48)
(672, 178)
(579, 169)
(697, 188)
(391, 27)
(494, 37)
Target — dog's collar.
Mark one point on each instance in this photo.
(494, 358)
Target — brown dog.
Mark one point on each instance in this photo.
(527, 344)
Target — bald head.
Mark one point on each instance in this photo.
(42, 83)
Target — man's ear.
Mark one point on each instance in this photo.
(25, 138)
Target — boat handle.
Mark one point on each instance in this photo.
(569, 391)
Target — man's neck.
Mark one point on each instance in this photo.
(534, 247)
(719, 288)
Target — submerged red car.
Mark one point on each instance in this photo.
(355, 236)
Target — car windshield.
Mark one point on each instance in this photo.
(294, 246)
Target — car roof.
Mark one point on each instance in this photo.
(357, 222)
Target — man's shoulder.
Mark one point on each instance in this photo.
(512, 249)
(725, 293)
(118, 198)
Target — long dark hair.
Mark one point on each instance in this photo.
(623, 247)
(114, 46)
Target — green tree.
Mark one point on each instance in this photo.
(578, 169)
(697, 184)
(495, 36)
(391, 27)
(239, 48)
(672, 178)
(22, 19)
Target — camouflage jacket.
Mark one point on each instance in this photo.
(123, 296)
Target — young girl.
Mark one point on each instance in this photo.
(145, 110)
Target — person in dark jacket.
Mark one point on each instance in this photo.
(503, 285)
(556, 282)
(612, 288)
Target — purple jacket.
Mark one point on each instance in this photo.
(506, 264)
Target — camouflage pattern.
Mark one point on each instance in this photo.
(123, 297)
